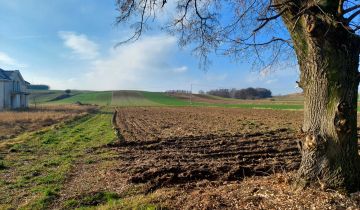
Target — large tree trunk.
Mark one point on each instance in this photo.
(328, 57)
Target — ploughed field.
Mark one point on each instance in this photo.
(172, 146)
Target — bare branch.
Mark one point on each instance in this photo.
(351, 9)
(204, 23)
(268, 19)
(354, 15)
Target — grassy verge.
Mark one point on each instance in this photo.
(35, 165)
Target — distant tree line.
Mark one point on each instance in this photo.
(248, 93)
(38, 87)
(177, 92)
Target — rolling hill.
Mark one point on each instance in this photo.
(144, 98)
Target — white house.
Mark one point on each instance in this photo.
(13, 90)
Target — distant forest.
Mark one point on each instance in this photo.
(178, 92)
(38, 87)
(248, 93)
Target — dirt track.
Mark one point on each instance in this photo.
(170, 146)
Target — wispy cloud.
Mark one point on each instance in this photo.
(80, 44)
(181, 69)
(7, 61)
(271, 81)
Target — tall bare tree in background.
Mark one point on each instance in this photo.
(323, 35)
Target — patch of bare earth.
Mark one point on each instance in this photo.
(267, 192)
(204, 158)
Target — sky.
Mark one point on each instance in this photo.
(70, 44)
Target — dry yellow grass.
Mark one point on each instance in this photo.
(13, 123)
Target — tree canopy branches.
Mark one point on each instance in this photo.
(235, 27)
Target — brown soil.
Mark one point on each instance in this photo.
(185, 145)
(145, 124)
(203, 158)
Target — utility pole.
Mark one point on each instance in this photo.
(191, 93)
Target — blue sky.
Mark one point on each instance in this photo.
(69, 44)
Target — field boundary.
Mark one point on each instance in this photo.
(115, 127)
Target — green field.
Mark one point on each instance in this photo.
(99, 98)
(256, 106)
(44, 96)
(131, 98)
(144, 98)
(164, 100)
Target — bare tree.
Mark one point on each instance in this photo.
(324, 37)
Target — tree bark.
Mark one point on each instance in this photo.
(328, 57)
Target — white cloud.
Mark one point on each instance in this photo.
(80, 44)
(181, 69)
(145, 64)
(271, 81)
(7, 61)
(134, 65)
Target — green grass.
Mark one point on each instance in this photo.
(255, 106)
(43, 96)
(163, 99)
(39, 161)
(35, 167)
(144, 98)
(131, 98)
(92, 199)
(99, 98)
(85, 97)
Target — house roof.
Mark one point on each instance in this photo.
(10, 74)
(4, 75)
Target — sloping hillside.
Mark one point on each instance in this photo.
(60, 97)
(131, 98)
(99, 98)
(144, 98)
(116, 98)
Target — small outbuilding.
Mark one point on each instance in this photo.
(14, 92)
